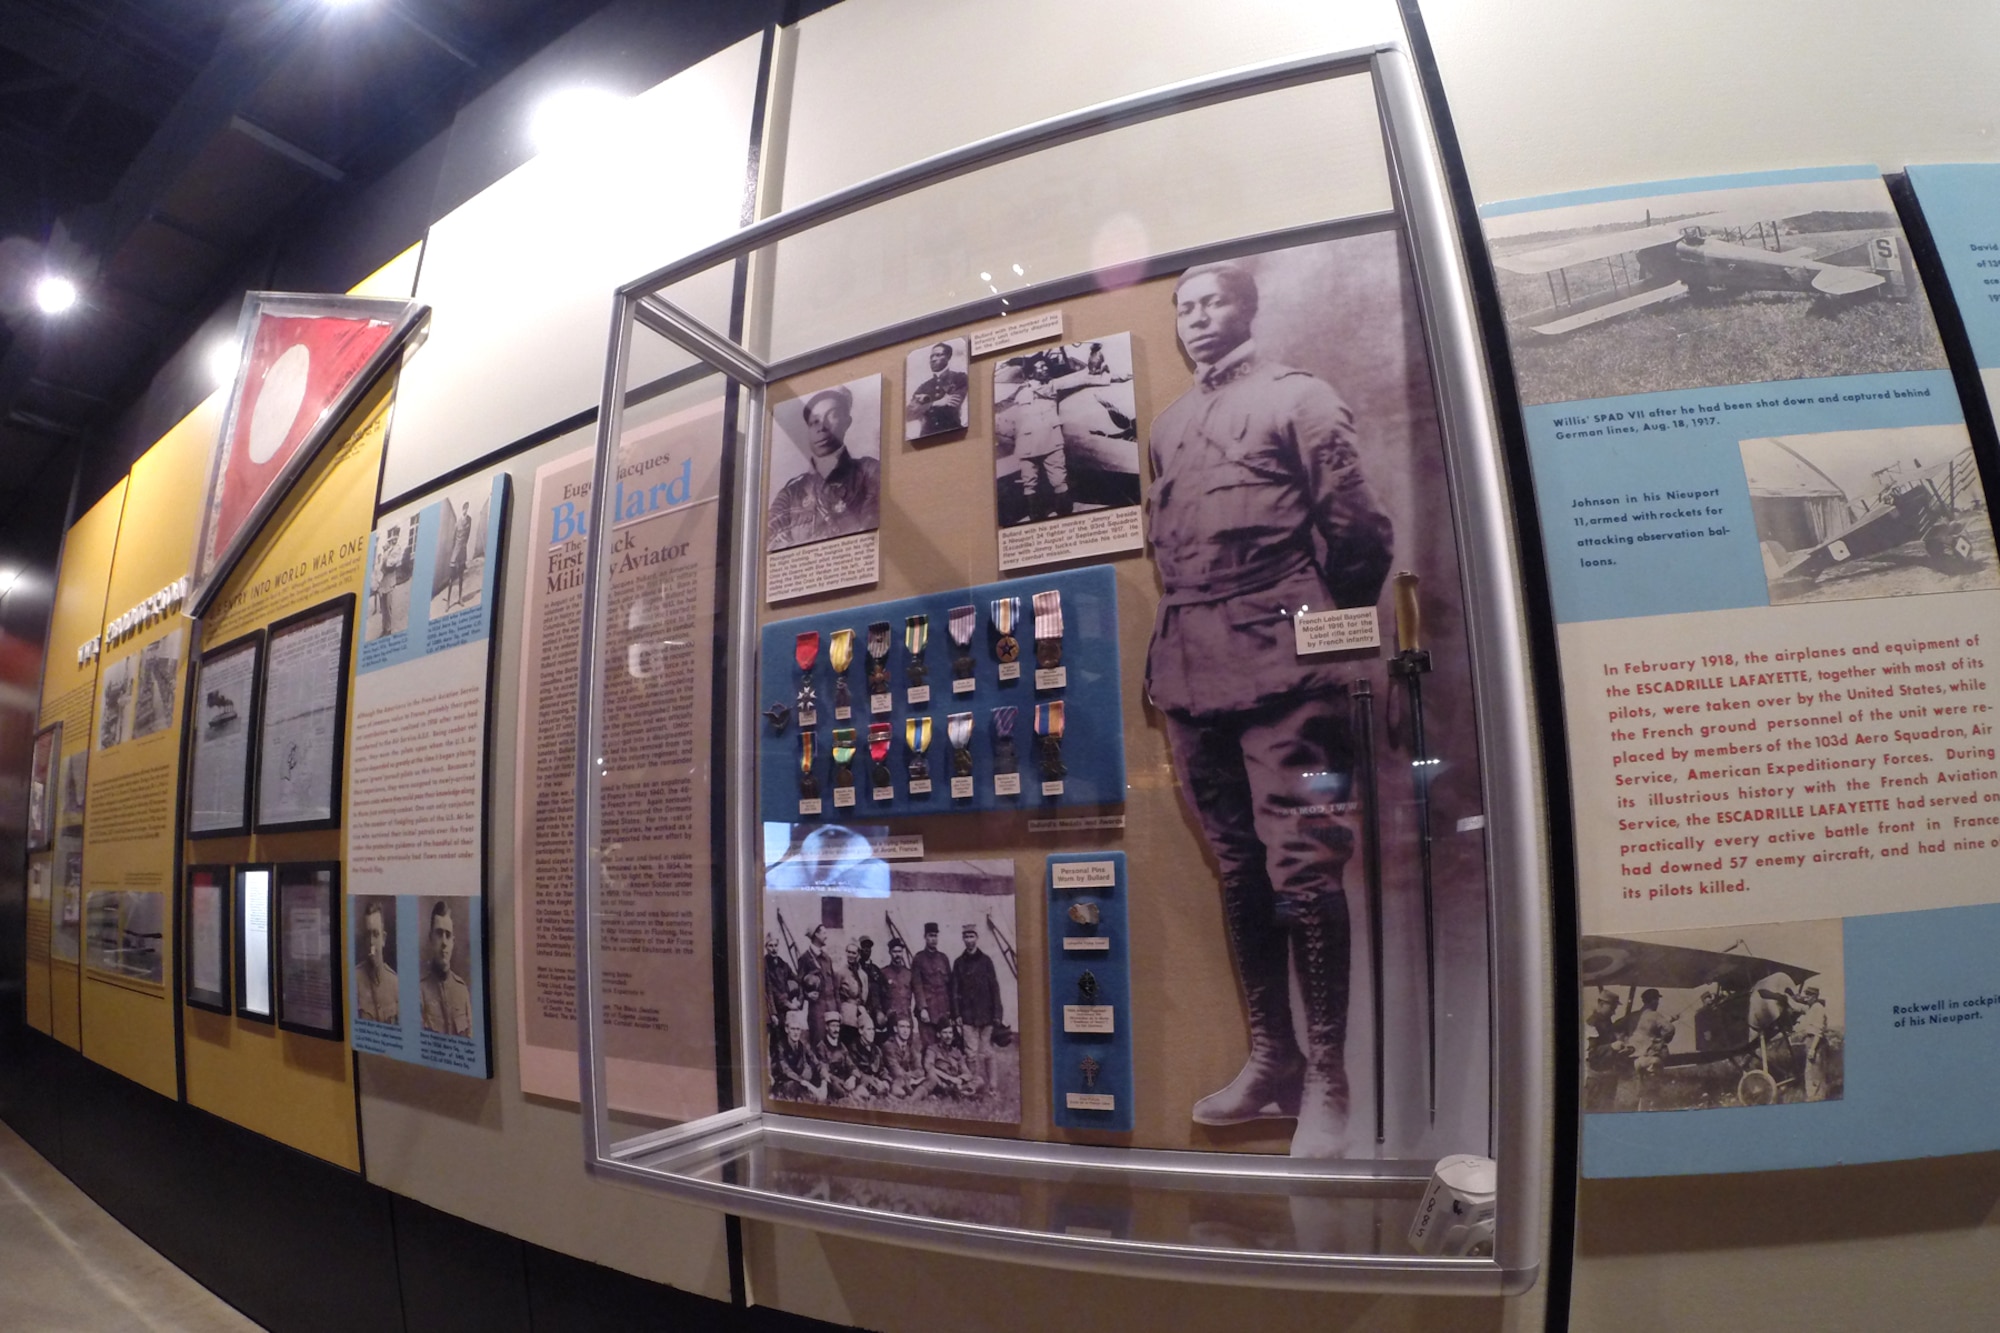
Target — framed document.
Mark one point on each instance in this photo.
(225, 720)
(253, 943)
(207, 945)
(305, 362)
(301, 717)
(308, 979)
(42, 788)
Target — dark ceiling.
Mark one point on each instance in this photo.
(158, 151)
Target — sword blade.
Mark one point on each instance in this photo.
(1362, 700)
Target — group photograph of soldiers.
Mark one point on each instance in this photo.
(906, 1002)
(1725, 1024)
(1065, 430)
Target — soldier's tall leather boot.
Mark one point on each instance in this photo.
(1320, 945)
(1268, 1086)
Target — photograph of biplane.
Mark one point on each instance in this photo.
(1714, 287)
(1693, 1020)
(891, 986)
(1845, 515)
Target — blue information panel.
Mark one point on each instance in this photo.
(1089, 695)
(1090, 991)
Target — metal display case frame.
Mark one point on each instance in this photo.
(716, 1160)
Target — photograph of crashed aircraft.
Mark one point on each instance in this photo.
(1707, 288)
(1706, 1019)
(1847, 515)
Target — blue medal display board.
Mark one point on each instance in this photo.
(1093, 742)
(1090, 1067)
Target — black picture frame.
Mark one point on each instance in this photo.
(252, 642)
(305, 878)
(46, 752)
(215, 1001)
(238, 902)
(341, 607)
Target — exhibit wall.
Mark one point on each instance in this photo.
(1558, 96)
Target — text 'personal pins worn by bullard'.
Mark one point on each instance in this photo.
(879, 741)
(916, 637)
(878, 668)
(805, 653)
(843, 767)
(1049, 734)
(963, 620)
(1050, 673)
(958, 730)
(917, 739)
(1006, 648)
(1006, 763)
(840, 656)
(808, 783)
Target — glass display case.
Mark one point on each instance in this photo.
(1057, 769)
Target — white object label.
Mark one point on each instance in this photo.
(1336, 631)
(918, 694)
(961, 788)
(1053, 788)
(843, 797)
(1000, 337)
(1087, 1018)
(883, 793)
(920, 786)
(1084, 874)
(843, 712)
(964, 685)
(809, 807)
(1006, 784)
(1087, 944)
(880, 703)
(1010, 671)
(1089, 1101)
(1051, 678)
(899, 847)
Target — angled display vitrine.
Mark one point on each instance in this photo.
(1057, 769)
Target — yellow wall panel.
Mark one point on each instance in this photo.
(69, 690)
(133, 804)
(296, 1089)
(398, 277)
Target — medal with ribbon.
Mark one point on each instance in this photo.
(840, 656)
(805, 652)
(958, 730)
(1049, 730)
(1006, 611)
(963, 620)
(917, 739)
(916, 637)
(1048, 630)
(879, 741)
(808, 784)
(878, 657)
(843, 756)
(1004, 758)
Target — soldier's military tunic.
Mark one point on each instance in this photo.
(1259, 512)
(931, 971)
(376, 1000)
(810, 508)
(942, 400)
(447, 1005)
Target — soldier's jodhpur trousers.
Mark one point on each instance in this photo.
(1269, 787)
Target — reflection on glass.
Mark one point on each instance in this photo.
(253, 894)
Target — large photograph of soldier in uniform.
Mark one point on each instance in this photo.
(908, 1001)
(1695, 1020)
(826, 465)
(1065, 431)
(1293, 472)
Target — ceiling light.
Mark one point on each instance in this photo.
(571, 115)
(55, 294)
(221, 361)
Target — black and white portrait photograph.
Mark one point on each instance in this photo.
(75, 775)
(444, 998)
(937, 386)
(1295, 465)
(1692, 1020)
(375, 996)
(158, 684)
(459, 569)
(908, 1002)
(1852, 514)
(1729, 286)
(1065, 431)
(825, 477)
(114, 702)
(392, 562)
